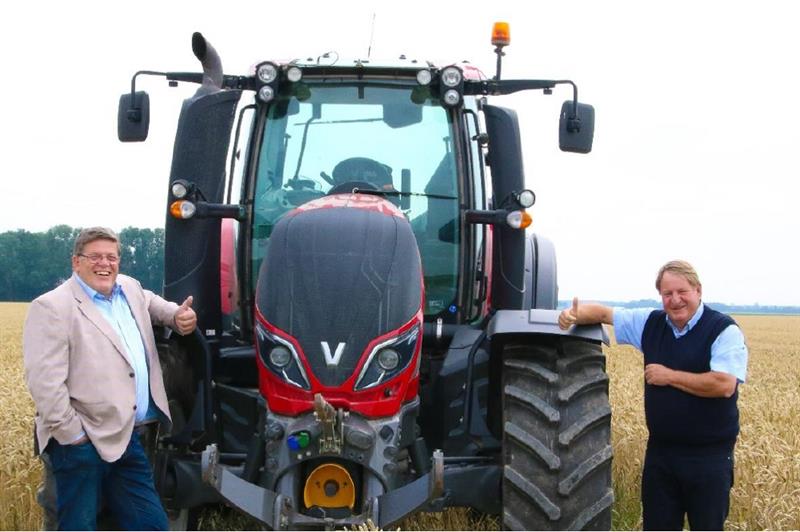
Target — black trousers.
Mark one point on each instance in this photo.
(679, 482)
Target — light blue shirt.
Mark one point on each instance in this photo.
(117, 313)
(728, 352)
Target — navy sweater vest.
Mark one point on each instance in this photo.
(677, 418)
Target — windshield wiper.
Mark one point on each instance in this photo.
(357, 190)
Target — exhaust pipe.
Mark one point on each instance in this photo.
(212, 66)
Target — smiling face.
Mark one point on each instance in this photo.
(680, 298)
(102, 275)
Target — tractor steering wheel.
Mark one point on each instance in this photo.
(362, 169)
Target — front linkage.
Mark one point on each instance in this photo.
(332, 434)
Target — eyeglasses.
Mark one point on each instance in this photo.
(95, 258)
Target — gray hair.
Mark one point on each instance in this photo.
(678, 267)
(90, 234)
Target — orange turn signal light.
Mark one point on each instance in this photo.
(519, 219)
(527, 220)
(501, 34)
(182, 209)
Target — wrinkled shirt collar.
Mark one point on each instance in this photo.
(691, 323)
(94, 294)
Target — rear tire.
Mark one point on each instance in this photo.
(556, 435)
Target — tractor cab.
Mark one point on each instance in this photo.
(387, 137)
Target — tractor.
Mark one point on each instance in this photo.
(377, 333)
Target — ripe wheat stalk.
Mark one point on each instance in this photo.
(766, 495)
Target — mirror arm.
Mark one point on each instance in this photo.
(495, 87)
(135, 113)
(573, 122)
(574, 94)
(146, 73)
(173, 78)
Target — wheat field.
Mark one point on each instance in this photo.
(766, 494)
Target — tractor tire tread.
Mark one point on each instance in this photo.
(556, 435)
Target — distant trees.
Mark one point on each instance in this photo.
(143, 256)
(33, 263)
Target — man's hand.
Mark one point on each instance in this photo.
(185, 318)
(569, 316)
(657, 375)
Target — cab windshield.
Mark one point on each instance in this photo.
(393, 139)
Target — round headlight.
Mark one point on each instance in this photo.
(424, 77)
(280, 356)
(388, 359)
(451, 76)
(267, 73)
(526, 198)
(179, 189)
(294, 74)
(451, 97)
(266, 93)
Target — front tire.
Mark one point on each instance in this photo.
(556, 435)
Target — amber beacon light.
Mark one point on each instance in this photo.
(501, 34)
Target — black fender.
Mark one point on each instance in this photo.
(541, 279)
(540, 321)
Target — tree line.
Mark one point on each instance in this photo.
(34, 263)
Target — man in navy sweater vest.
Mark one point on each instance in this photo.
(694, 359)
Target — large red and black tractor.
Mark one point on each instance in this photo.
(377, 332)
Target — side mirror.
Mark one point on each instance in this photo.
(133, 117)
(576, 129)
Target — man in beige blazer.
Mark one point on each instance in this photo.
(93, 371)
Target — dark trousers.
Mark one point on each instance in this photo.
(677, 484)
(126, 486)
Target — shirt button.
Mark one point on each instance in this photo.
(134, 407)
(130, 375)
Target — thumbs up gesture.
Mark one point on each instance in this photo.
(569, 317)
(185, 318)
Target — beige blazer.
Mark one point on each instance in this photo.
(78, 372)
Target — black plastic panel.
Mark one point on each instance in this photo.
(505, 157)
(192, 247)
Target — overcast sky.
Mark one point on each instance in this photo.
(695, 152)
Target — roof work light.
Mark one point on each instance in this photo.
(267, 79)
(451, 81)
